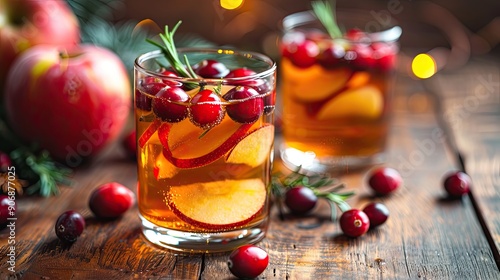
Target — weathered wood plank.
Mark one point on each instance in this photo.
(475, 121)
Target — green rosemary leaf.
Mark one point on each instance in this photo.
(325, 13)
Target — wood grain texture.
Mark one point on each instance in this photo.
(475, 121)
(426, 236)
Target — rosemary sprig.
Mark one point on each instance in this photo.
(325, 13)
(169, 50)
(41, 170)
(323, 187)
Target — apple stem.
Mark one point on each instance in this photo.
(64, 54)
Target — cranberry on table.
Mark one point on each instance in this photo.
(165, 104)
(377, 213)
(384, 180)
(248, 261)
(5, 212)
(69, 226)
(210, 68)
(300, 200)
(206, 109)
(354, 223)
(457, 184)
(247, 111)
(111, 200)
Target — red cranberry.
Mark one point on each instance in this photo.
(248, 261)
(147, 87)
(69, 226)
(303, 55)
(354, 223)
(240, 72)
(377, 213)
(457, 184)
(290, 41)
(129, 144)
(356, 35)
(166, 107)
(5, 162)
(8, 209)
(331, 56)
(247, 111)
(385, 55)
(384, 180)
(210, 68)
(111, 200)
(361, 55)
(206, 109)
(170, 82)
(300, 200)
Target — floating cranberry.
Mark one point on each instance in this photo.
(170, 82)
(240, 72)
(331, 56)
(457, 184)
(129, 144)
(210, 68)
(377, 213)
(5, 162)
(354, 223)
(69, 226)
(111, 200)
(206, 109)
(356, 35)
(361, 55)
(147, 87)
(290, 41)
(167, 104)
(384, 180)
(246, 104)
(303, 55)
(300, 200)
(7, 209)
(248, 261)
(385, 55)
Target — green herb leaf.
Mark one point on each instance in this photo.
(326, 15)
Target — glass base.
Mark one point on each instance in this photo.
(310, 163)
(191, 242)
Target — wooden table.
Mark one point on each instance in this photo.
(426, 237)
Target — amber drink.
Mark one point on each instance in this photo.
(336, 94)
(205, 146)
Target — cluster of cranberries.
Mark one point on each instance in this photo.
(108, 201)
(305, 49)
(248, 100)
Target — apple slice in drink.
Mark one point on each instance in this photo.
(184, 148)
(163, 169)
(316, 83)
(254, 148)
(363, 102)
(219, 205)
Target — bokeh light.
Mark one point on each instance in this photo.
(230, 4)
(424, 66)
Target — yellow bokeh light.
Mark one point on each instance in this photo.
(230, 4)
(423, 66)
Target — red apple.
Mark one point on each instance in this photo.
(72, 103)
(25, 23)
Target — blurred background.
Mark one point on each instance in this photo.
(471, 27)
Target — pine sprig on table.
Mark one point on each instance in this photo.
(323, 187)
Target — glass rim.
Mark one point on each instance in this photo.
(249, 54)
(292, 21)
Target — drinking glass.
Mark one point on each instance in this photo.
(336, 92)
(204, 161)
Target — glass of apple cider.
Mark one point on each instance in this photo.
(336, 92)
(205, 148)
